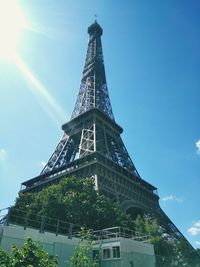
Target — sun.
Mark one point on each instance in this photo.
(12, 23)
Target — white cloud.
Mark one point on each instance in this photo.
(197, 242)
(197, 224)
(3, 154)
(198, 146)
(43, 163)
(172, 198)
(195, 229)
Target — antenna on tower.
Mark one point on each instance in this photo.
(95, 17)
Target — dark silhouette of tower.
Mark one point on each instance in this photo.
(91, 145)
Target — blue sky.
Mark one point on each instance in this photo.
(152, 61)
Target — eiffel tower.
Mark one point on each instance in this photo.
(91, 145)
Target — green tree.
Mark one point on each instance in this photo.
(73, 200)
(4, 259)
(82, 256)
(169, 250)
(164, 247)
(29, 255)
(186, 255)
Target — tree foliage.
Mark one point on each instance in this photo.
(73, 200)
(149, 226)
(169, 250)
(82, 256)
(4, 259)
(29, 255)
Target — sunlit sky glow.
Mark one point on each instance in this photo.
(12, 23)
(38, 89)
(152, 61)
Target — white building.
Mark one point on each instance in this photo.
(113, 247)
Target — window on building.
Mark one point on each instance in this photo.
(106, 253)
(116, 252)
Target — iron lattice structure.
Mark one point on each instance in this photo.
(93, 91)
(93, 135)
(91, 145)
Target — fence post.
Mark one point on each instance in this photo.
(70, 231)
(42, 224)
(8, 217)
(57, 227)
(25, 222)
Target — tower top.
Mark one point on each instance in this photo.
(95, 29)
(93, 92)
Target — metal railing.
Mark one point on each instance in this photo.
(40, 222)
(43, 223)
(10, 216)
(116, 232)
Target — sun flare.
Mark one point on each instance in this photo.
(12, 22)
(46, 100)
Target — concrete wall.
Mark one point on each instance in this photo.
(59, 245)
(132, 253)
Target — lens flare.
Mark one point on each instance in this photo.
(38, 89)
(12, 23)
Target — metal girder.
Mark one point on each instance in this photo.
(87, 142)
(93, 134)
(92, 127)
(92, 146)
(57, 155)
(93, 92)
